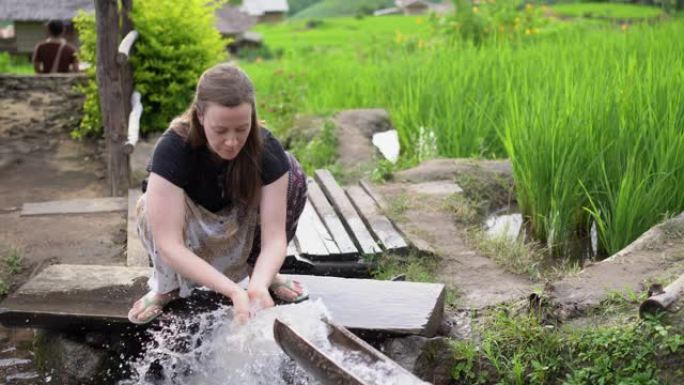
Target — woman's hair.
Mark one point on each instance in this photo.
(227, 86)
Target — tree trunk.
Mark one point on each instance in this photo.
(111, 97)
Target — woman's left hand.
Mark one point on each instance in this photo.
(260, 298)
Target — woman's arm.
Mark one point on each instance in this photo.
(166, 216)
(273, 240)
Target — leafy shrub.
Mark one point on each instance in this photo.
(91, 123)
(177, 42)
(4, 62)
(500, 19)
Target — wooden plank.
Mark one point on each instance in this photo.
(308, 241)
(331, 221)
(379, 200)
(291, 249)
(379, 225)
(75, 206)
(323, 233)
(136, 255)
(346, 210)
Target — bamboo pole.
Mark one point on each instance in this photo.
(659, 302)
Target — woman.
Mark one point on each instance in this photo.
(222, 201)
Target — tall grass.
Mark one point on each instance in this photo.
(591, 118)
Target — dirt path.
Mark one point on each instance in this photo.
(40, 162)
(478, 281)
(655, 257)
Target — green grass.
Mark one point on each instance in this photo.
(335, 8)
(340, 34)
(607, 10)
(519, 349)
(589, 114)
(15, 65)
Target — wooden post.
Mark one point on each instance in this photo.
(126, 70)
(111, 97)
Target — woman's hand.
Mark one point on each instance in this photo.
(260, 298)
(240, 301)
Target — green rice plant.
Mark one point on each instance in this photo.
(590, 114)
(614, 11)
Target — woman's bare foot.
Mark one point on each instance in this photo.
(150, 306)
(288, 290)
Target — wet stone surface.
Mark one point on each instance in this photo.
(17, 360)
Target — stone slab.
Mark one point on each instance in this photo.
(69, 294)
(440, 187)
(75, 292)
(372, 305)
(75, 206)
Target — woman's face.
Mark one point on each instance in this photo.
(226, 128)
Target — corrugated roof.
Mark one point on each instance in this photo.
(41, 10)
(259, 7)
(232, 21)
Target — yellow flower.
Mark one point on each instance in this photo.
(399, 38)
(528, 7)
(419, 21)
(476, 10)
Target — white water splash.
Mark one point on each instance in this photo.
(209, 349)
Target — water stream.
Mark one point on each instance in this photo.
(209, 349)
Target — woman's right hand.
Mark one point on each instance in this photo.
(240, 301)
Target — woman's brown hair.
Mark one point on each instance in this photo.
(228, 86)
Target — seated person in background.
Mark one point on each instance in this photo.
(54, 54)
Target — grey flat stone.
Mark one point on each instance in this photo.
(75, 206)
(440, 187)
(72, 294)
(372, 305)
(102, 293)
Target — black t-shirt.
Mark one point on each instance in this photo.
(201, 175)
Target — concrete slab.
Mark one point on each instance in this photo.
(440, 187)
(68, 295)
(63, 294)
(369, 305)
(75, 206)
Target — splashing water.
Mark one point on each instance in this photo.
(208, 349)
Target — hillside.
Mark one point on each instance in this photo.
(329, 8)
